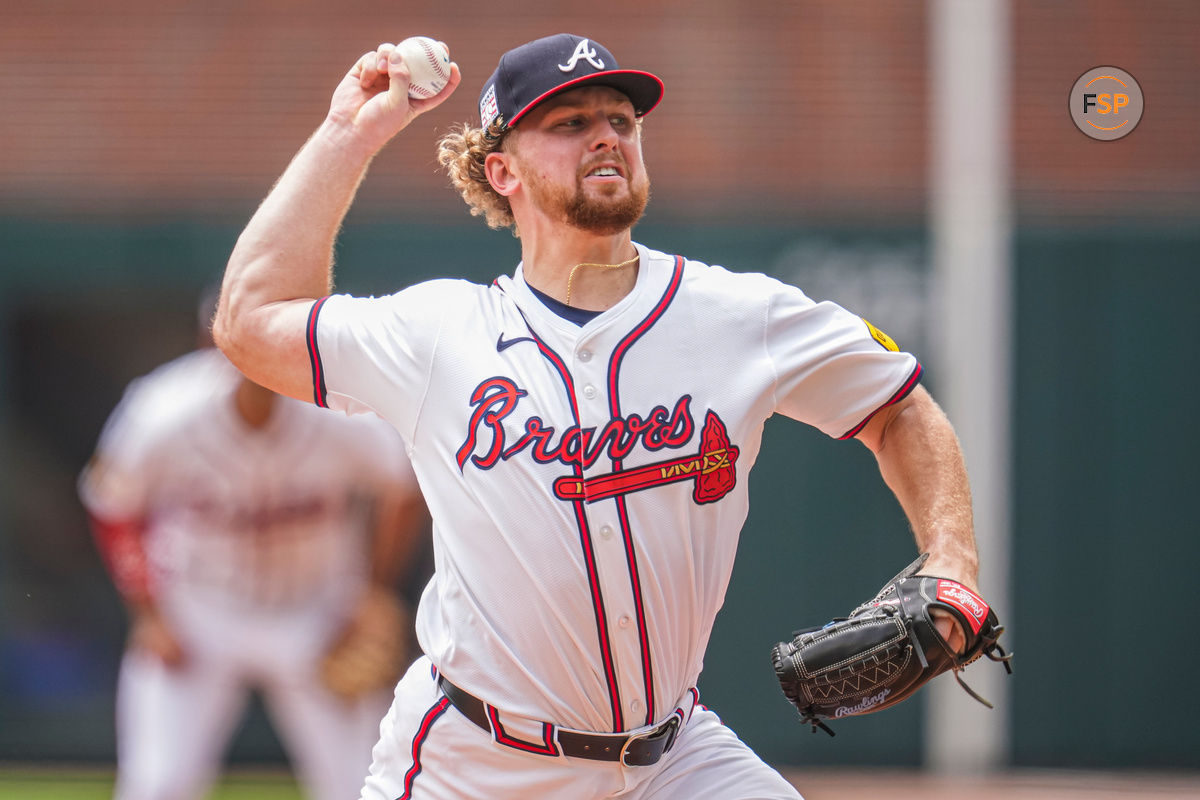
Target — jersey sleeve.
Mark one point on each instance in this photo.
(834, 369)
(372, 354)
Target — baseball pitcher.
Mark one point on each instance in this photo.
(583, 428)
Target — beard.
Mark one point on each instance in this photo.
(607, 216)
(604, 215)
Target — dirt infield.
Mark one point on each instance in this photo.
(1017, 785)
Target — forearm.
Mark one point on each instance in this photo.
(283, 260)
(285, 253)
(921, 461)
(120, 545)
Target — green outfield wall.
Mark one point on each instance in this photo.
(1104, 548)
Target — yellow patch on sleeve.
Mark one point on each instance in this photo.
(881, 337)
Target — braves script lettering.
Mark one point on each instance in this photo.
(496, 399)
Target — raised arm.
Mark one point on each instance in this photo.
(282, 262)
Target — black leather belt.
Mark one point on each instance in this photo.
(632, 750)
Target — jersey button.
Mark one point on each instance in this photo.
(624, 621)
(606, 531)
(635, 706)
(585, 355)
(589, 391)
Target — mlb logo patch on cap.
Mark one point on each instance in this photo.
(488, 110)
(538, 70)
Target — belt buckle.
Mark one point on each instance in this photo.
(668, 731)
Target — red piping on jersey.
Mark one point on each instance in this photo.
(320, 395)
(548, 747)
(610, 670)
(431, 715)
(900, 394)
(589, 554)
(635, 581)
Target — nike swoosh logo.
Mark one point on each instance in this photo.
(503, 344)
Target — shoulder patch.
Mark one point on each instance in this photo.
(881, 337)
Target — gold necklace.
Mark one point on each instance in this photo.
(571, 277)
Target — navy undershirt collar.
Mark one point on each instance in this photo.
(579, 316)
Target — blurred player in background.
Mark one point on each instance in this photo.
(258, 544)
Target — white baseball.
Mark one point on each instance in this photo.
(428, 64)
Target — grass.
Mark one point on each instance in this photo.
(47, 783)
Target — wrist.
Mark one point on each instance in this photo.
(966, 574)
(957, 564)
(340, 140)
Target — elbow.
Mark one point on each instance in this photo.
(223, 330)
(227, 333)
(917, 411)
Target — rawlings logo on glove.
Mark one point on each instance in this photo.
(887, 649)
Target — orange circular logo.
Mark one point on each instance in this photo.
(1106, 103)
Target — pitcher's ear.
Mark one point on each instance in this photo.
(500, 173)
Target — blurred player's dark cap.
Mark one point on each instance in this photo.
(538, 70)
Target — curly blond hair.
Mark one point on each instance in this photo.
(462, 152)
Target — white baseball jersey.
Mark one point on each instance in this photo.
(588, 484)
(244, 517)
(256, 541)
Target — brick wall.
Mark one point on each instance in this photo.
(813, 109)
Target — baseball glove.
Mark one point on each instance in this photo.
(371, 650)
(886, 650)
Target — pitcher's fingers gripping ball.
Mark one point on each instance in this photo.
(428, 63)
(887, 649)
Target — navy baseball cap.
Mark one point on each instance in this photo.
(538, 70)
